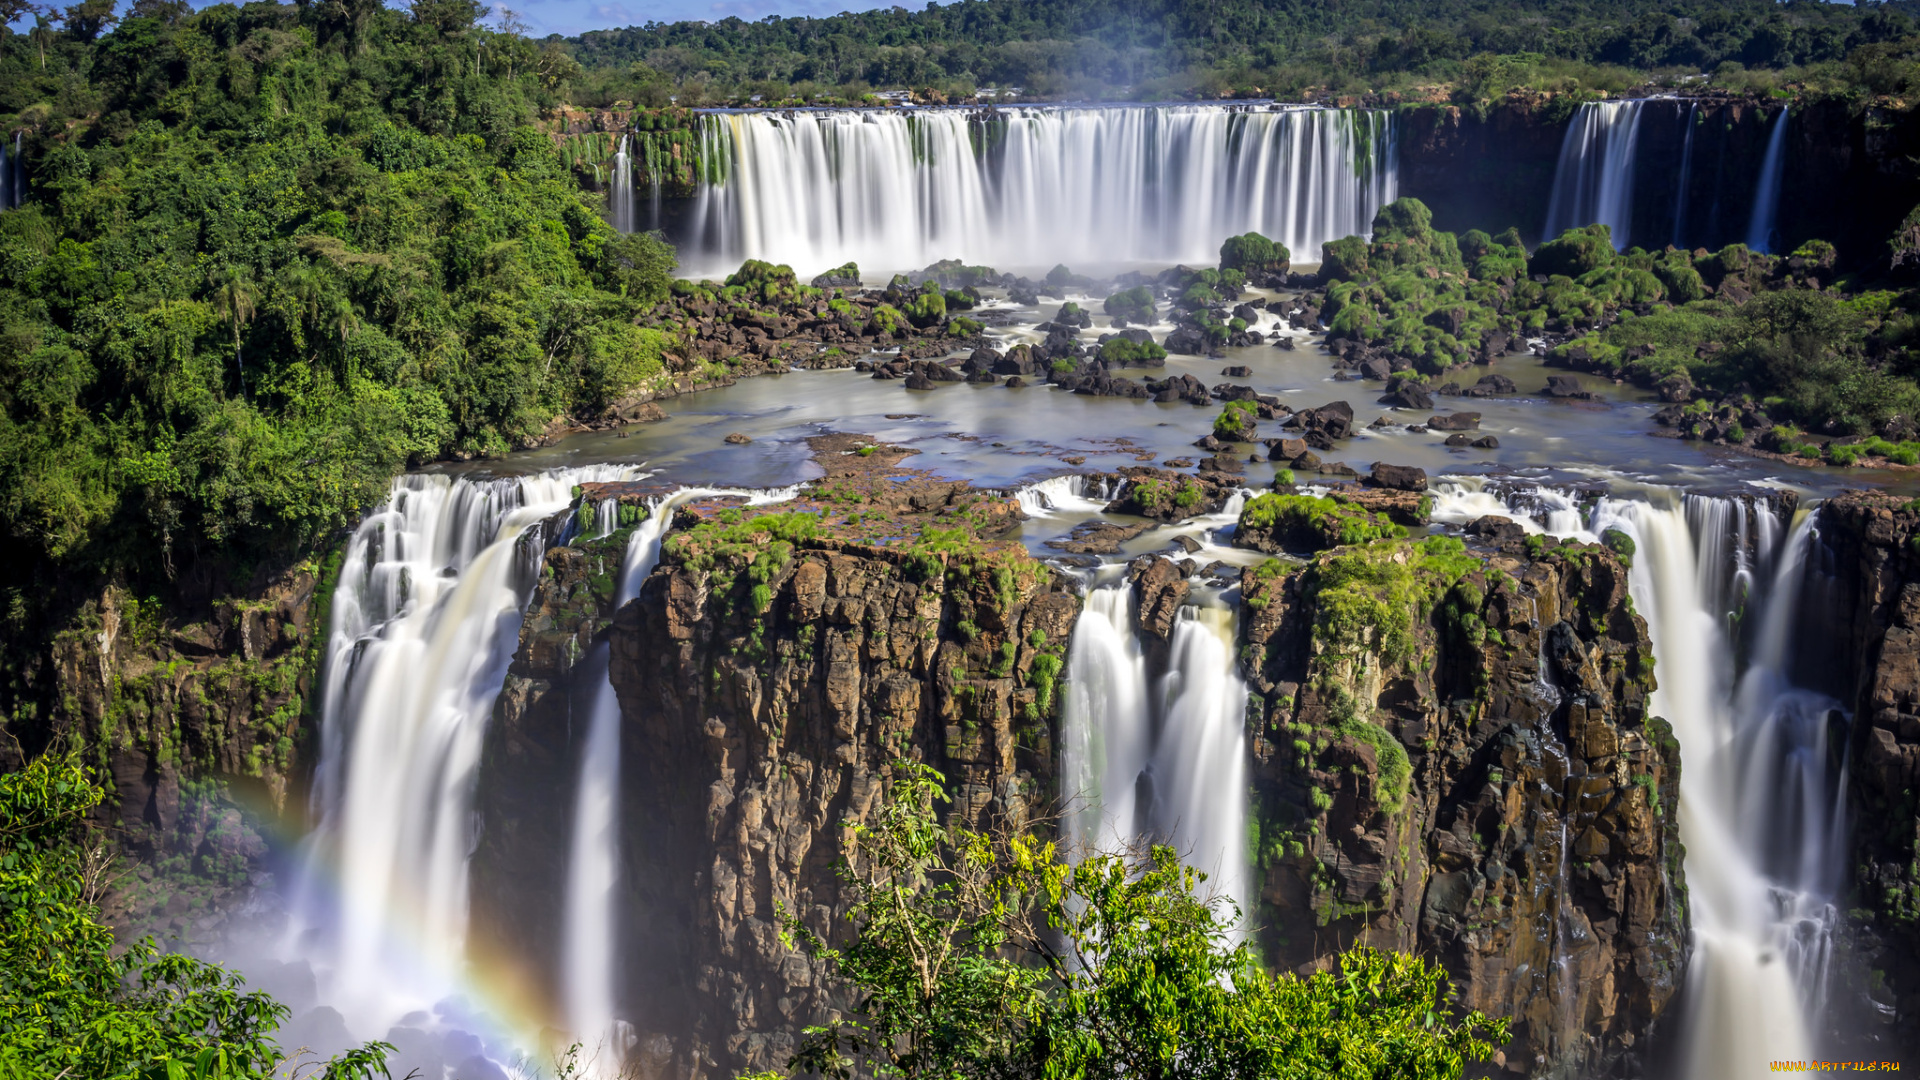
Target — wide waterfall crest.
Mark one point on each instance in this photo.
(1593, 182)
(1032, 187)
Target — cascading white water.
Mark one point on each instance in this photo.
(1760, 808)
(620, 196)
(1766, 196)
(1200, 763)
(1107, 737)
(1593, 182)
(1035, 186)
(1181, 781)
(1062, 494)
(424, 621)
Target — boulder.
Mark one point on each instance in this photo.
(1566, 386)
(1460, 421)
(738, 439)
(1185, 342)
(1410, 395)
(1399, 477)
(1491, 386)
(1486, 442)
(1237, 371)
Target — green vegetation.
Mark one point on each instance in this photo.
(1125, 352)
(1758, 347)
(1133, 305)
(1155, 49)
(975, 955)
(1253, 253)
(1305, 523)
(275, 254)
(1236, 421)
(74, 1004)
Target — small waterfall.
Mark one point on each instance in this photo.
(590, 932)
(424, 622)
(1760, 801)
(1766, 197)
(620, 198)
(1686, 177)
(1593, 183)
(1107, 736)
(1035, 186)
(1200, 764)
(1071, 493)
(1181, 780)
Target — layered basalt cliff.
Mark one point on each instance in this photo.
(777, 661)
(1453, 756)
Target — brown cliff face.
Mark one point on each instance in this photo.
(1454, 757)
(1863, 645)
(200, 725)
(768, 675)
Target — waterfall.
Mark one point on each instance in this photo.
(1200, 764)
(1766, 197)
(1686, 178)
(1593, 182)
(424, 621)
(620, 198)
(1181, 781)
(1760, 802)
(1107, 737)
(1062, 494)
(1032, 187)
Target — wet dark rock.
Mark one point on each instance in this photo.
(1185, 342)
(1223, 463)
(1209, 443)
(1237, 371)
(1409, 395)
(1498, 530)
(1283, 342)
(919, 381)
(1376, 367)
(738, 438)
(1486, 442)
(1097, 538)
(1492, 386)
(1399, 477)
(1458, 439)
(1460, 421)
(1015, 382)
(1566, 386)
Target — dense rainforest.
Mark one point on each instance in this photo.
(1151, 49)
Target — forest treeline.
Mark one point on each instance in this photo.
(271, 256)
(1153, 49)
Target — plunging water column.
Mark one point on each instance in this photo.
(424, 620)
(1593, 183)
(1766, 195)
(1718, 581)
(1168, 767)
(1032, 187)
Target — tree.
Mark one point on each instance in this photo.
(70, 1007)
(974, 955)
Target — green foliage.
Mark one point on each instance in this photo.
(71, 1003)
(1307, 523)
(1123, 352)
(1134, 305)
(1236, 421)
(1253, 252)
(1344, 259)
(979, 956)
(1576, 252)
(276, 254)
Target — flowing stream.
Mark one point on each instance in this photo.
(1032, 187)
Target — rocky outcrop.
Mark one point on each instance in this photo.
(776, 663)
(198, 710)
(1453, 756)
(1863, 645)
